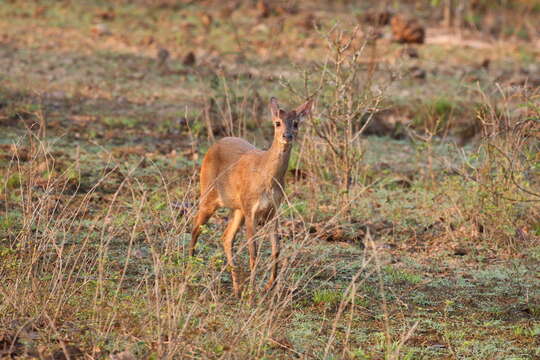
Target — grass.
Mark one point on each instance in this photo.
(426, 249)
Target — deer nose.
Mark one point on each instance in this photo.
(288, 136)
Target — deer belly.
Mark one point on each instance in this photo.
(267, 204)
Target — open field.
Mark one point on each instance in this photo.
(411, 224)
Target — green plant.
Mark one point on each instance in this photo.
(326, 297)
(120, 122)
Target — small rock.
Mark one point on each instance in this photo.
(101, 29)
(162, 56)
(148, 40)
(106, 15)
(139, 254)
(417, 72)
(59, 94)
(227, 11)
(40, 11)
(308, 21)
(376, 18)
(407, 30)
(206, 20)
(124, 355)
(290, 9)
(522, 234)
(70, 352)
(189, 59)
(410, 52)
(263, 9)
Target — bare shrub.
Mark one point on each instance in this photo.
(501, 186)
(347, 103)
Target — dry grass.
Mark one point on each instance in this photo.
(393, 248)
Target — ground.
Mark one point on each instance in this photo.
(410, 227)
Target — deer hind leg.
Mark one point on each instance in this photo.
(228, 242)
(207, 208)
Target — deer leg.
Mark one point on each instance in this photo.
(252, 248)
(275, 255)
(205, 212)
(228, 242)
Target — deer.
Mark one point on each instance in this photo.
(250, 182)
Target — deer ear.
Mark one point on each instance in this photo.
(304, 109)
(274, 107)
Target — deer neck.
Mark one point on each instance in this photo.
(277, 160)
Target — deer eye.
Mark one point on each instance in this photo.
(278, 124)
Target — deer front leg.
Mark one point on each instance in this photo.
(228, 242)
(252, 248)
(275, 256)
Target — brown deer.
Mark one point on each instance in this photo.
(250, 182)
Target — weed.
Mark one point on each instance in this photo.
(397, 275)
(327, 297)
(120, 122)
